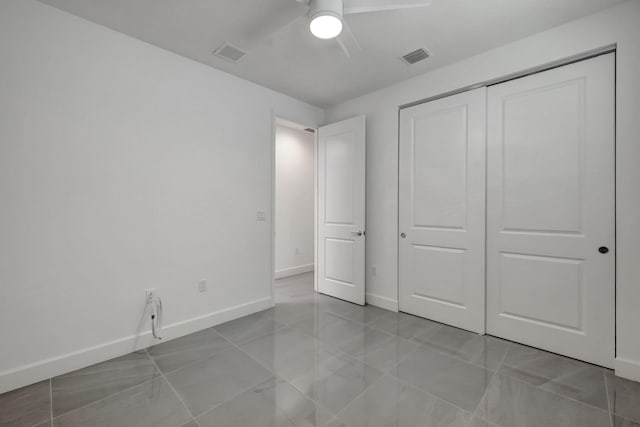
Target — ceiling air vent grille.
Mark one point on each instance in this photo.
(229, 53)
(416, 56)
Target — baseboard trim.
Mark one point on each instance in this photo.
(292, 271)
(382, 302)
(626, 368)
(38, 371)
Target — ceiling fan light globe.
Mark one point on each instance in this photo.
(325, 26)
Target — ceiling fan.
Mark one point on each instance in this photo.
(327, 17)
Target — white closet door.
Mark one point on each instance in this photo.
(442, 210)
(550, 210)
(341, 209)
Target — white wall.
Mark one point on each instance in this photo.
(123, 167)
(295, 201)
(616, 26)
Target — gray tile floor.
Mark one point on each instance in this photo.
(317, 361)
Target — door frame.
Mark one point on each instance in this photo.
(275, 116)
(524, 73)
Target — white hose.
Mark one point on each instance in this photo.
(156, 317)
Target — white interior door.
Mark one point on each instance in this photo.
(442, 210)
(550, 201)
(341, 210)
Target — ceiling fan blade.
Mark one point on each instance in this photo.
(348, 41)
(363, 6)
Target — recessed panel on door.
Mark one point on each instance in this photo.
(441, 246)
(550, 210)
(339, 177)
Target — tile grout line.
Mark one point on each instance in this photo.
(104, 398)
(240, 393)
(420, 345)
(432, 346)
(188, 364)
(51, 400)
(453, 356)
(275, 374)
(631, 420)
(184, 405)
(425, 345)
(495, 373)
(356, 397)
(386, 370)
(270, 370)
(430, 394)
(555, 393)
(606, 390)
(335, 351)
(237, 347)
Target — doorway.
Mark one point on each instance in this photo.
(318, 186)
(294, 201)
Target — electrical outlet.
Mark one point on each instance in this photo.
(261, 216)
(202, 285)
(150, 293)
(374, 271)
(297, 251)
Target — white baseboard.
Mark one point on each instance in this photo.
(34, 372)
(382, 302)
(629, 369)
(292, 271)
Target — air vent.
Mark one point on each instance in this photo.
(416, 56)
(229, 52)
(310, 130)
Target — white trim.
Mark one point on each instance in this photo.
(382, 302)
(272, 223)
(626, 368)
(38, 371)
(315, 209)
(292, 271)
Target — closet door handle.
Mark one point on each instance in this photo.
(357, 233)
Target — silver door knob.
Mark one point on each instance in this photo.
(403, 235)
(357, 233)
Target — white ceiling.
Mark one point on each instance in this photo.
(292, 61)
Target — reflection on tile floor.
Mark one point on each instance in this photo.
(313, 360)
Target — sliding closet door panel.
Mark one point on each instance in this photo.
(550, 208)
(442, 196)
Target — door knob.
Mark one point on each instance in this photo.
(357, 233)
(403, 235)
(603, 249)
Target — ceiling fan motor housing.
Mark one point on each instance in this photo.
(326, 7)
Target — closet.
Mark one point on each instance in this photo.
(507, 210)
